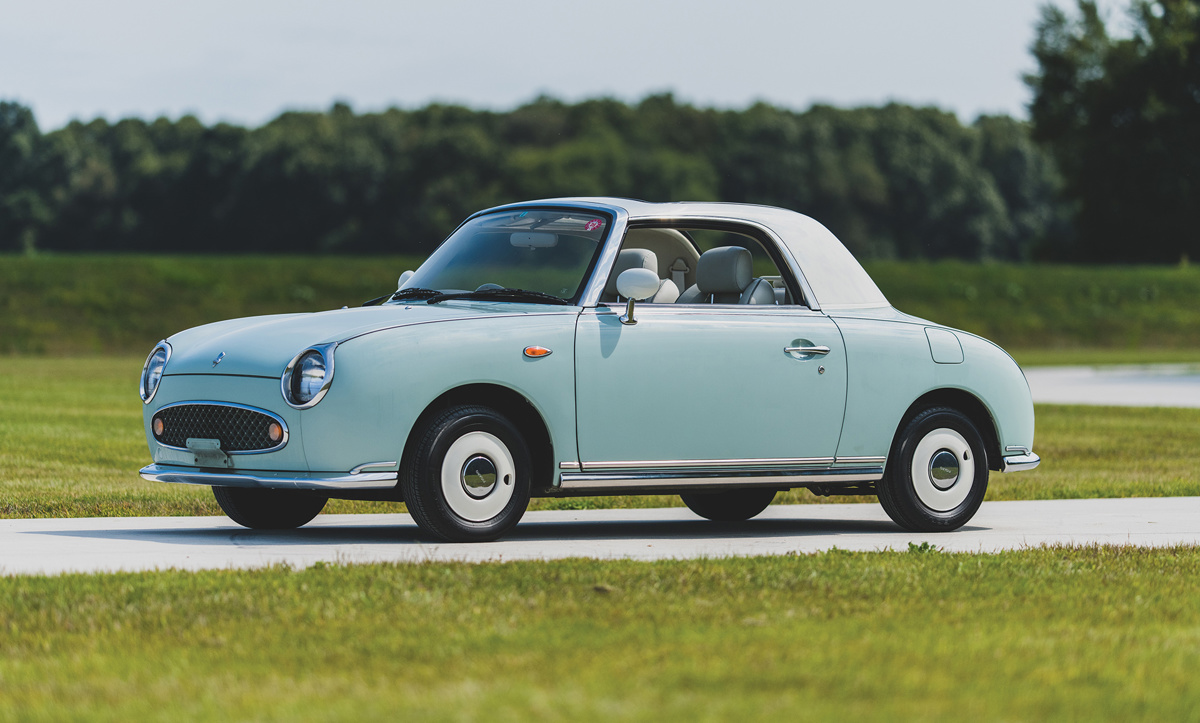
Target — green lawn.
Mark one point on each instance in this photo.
(123, 304)
(1053, 307)
(73, 442)
(1047, 634)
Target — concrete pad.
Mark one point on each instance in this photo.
(1149, 385)
(52, 546)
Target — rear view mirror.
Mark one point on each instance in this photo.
(533, 240)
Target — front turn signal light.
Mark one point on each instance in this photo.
(536, 352)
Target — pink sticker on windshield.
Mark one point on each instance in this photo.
(592, 225)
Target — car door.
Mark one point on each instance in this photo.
(708, 386)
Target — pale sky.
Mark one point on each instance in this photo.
(245, 61)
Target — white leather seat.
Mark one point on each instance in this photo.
(725, 275)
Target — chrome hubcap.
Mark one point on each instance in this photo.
(479, 477)
(943, 469)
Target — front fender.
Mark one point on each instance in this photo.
(385, 381)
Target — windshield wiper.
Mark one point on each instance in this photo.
(414, 292)
(535, 297)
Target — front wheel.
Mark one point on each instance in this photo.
(261, 509)
(469, 476)
(937, 474)
(729, 505)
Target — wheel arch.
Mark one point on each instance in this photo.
(511, 404)
(967, 403)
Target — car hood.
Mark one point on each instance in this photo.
(262, 346)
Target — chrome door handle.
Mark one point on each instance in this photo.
(806, 349)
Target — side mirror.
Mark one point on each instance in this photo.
(404, 277)
(636, 284)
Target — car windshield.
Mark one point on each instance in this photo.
(541, 250)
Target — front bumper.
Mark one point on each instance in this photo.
(1020, 463)
(270, 480)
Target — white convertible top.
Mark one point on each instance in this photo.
(836, 278)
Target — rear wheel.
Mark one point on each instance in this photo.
(937, 474)
(469, 476)
(729, 505)
(261, 509)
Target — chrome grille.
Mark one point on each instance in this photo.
(240, 429)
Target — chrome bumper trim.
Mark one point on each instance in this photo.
(755, 478)
(1021, 463)
(270, 480)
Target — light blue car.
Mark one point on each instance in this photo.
(594, 346)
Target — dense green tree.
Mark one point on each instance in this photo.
(23, 205)
(894, 181)
(1028, 180)
(1122, 116)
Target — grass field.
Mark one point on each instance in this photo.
(73, 442)
(1045, 634)
(105, 304)
(111, 304)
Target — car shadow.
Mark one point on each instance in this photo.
(526, 532)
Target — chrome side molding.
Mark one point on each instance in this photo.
(573, 466)
(861, 460)
(687, 479)
(707, 464)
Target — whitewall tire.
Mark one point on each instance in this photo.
(467, 478)
(937, 473)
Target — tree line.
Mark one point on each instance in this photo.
(894, 181)
(1108, 168)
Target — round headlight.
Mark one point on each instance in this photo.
(307, 377)
(152, 371)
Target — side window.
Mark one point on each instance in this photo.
(668, 252)
(702, 266)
